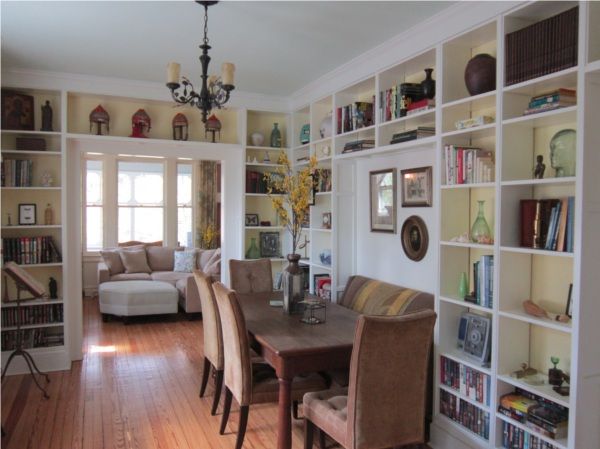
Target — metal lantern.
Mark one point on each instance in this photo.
(212, 125)
(180, 127)
(99, 116)
(139, 121)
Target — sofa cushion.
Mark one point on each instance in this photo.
(131, 277)
(185, 261)
(135, 261)
(112, 260)
(170, 277)
(160, 258)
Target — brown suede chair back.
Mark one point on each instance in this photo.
(391, 353)
(211, 322)
(251, 276)
(238, 365)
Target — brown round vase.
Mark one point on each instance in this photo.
(480, 74)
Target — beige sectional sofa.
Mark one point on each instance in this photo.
(156, 263)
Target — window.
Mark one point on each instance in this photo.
(185, 235)
(94, 230)
(140, 201)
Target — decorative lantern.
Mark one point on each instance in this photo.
(180, 127)
(139, 121)
(99, 116)
(212, 125)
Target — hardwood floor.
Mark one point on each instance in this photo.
(142, 394)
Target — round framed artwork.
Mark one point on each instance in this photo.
(415, 238)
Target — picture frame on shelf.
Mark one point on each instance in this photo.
(415, 238)
(17, 111)
(27, 214)
(416, 187)
(322, 286)
(326, 222)
(269, 244)
(382, 193)
(569, 308)
(251, 219)
(314, 177)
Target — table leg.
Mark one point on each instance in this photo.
(284, 432)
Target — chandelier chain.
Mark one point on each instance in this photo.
(205, 25)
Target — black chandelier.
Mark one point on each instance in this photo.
(214, 92)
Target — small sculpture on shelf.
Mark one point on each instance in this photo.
(100, 117)
(49, 215)
(533, 309)
(46, 117)
(8, 219)
(180, 127)
(562, 152)
(140, 122)
(212, 125)
(53, 288)
(257, 139)
(540, 167)
(266, 159)
(47, 180)
(555, 375)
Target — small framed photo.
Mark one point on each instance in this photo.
(269, 244)
(17, 111)
(251, 219)
(416, 187)
(314, 179)
(27, 214)
(383, 200)
(415, 238)
(569, 309)
(326, 220)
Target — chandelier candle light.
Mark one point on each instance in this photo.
(214, 91)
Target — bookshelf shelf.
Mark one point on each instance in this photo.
(479, 185)
(356, 132)
(23, 227)
(33, 302)
(465, 431)
(321, 141)
(464, 398)
(544, 391)
(546, 83)
(264, 228)
(32, 133)
(32, 188)
(593, 67)
(320, 266)
(548, 118)
(558, 444)
(250, 147)
(262, 164)
(540, 182)
(33, 153)
(520, 315)
(33, 326)
(463, 303)
(481, 101)
(304, 146)
(419, 118)
(404, 146)
(467, 245)
(456, 355)
(476, 132)
(538, 252)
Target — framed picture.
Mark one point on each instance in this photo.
(251, 219)
(311, 194)
(415, 238)
(322, 286)
(383, 200)
(269, 244)
(17, 111)
(569, 309)
(416, 187)
(326, 220)
(27, 214)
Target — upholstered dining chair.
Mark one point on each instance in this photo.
(250, 383)
(384, 405)
(213, 336)
(251, 276)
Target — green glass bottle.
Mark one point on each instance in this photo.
(480, 231)
(253, 251)
(275, 136)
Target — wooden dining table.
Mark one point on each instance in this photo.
(292, 347)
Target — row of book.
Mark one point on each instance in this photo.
(514, 437)
(30, 250)
(358, 145)
(483, 282)
(468, 381)
(468, 415)
(542, 48)
(548, 224)
(323, 180)
(468, 165)
(420, 132)
(354, 116)
(539, 414)
(402, 100)
(16, 172)
(33, 338)
(47, 313)
(559, 98)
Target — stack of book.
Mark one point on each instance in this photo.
(468, 381)
(560, 98)
(33, 338)
(16, 172)
(30, 250)
(514, 437)
(396, 101)
(468, 165)
(354, 116)
(358, 145)
(548, 224)
(483, 282)
(419, 106)
(418, 133)
(465, 413)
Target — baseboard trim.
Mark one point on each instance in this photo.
(46, 359)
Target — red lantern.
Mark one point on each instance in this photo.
(139, 121)
(180, 127)
(99, 116)
(212, 125)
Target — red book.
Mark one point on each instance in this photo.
(527, 222)
(459, 166)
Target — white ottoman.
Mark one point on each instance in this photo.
(128, 298)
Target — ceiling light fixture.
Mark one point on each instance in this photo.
(214, 92)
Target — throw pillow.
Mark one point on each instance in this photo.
(135, 261)
(112, 260)
(184, 261)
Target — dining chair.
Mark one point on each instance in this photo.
(384, 405)
(251, 276)
(250, 383)
(213, 336)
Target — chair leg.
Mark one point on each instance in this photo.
(244, 409)
(205, 373)
(309, 429)
(321, 439)
(226, 408)
(295, 410)
(218, 386)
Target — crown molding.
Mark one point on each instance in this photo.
(120, 87)
(416, 40)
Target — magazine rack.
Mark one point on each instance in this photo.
(24, 283)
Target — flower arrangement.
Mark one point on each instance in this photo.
(296, 187)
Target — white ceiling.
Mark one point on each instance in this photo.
(278, 47)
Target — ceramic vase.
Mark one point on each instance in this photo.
(293, 285)
(253, 251)
(257, 139)
(428, 85)
(480, 74)
(275, 136)
(480, 231)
